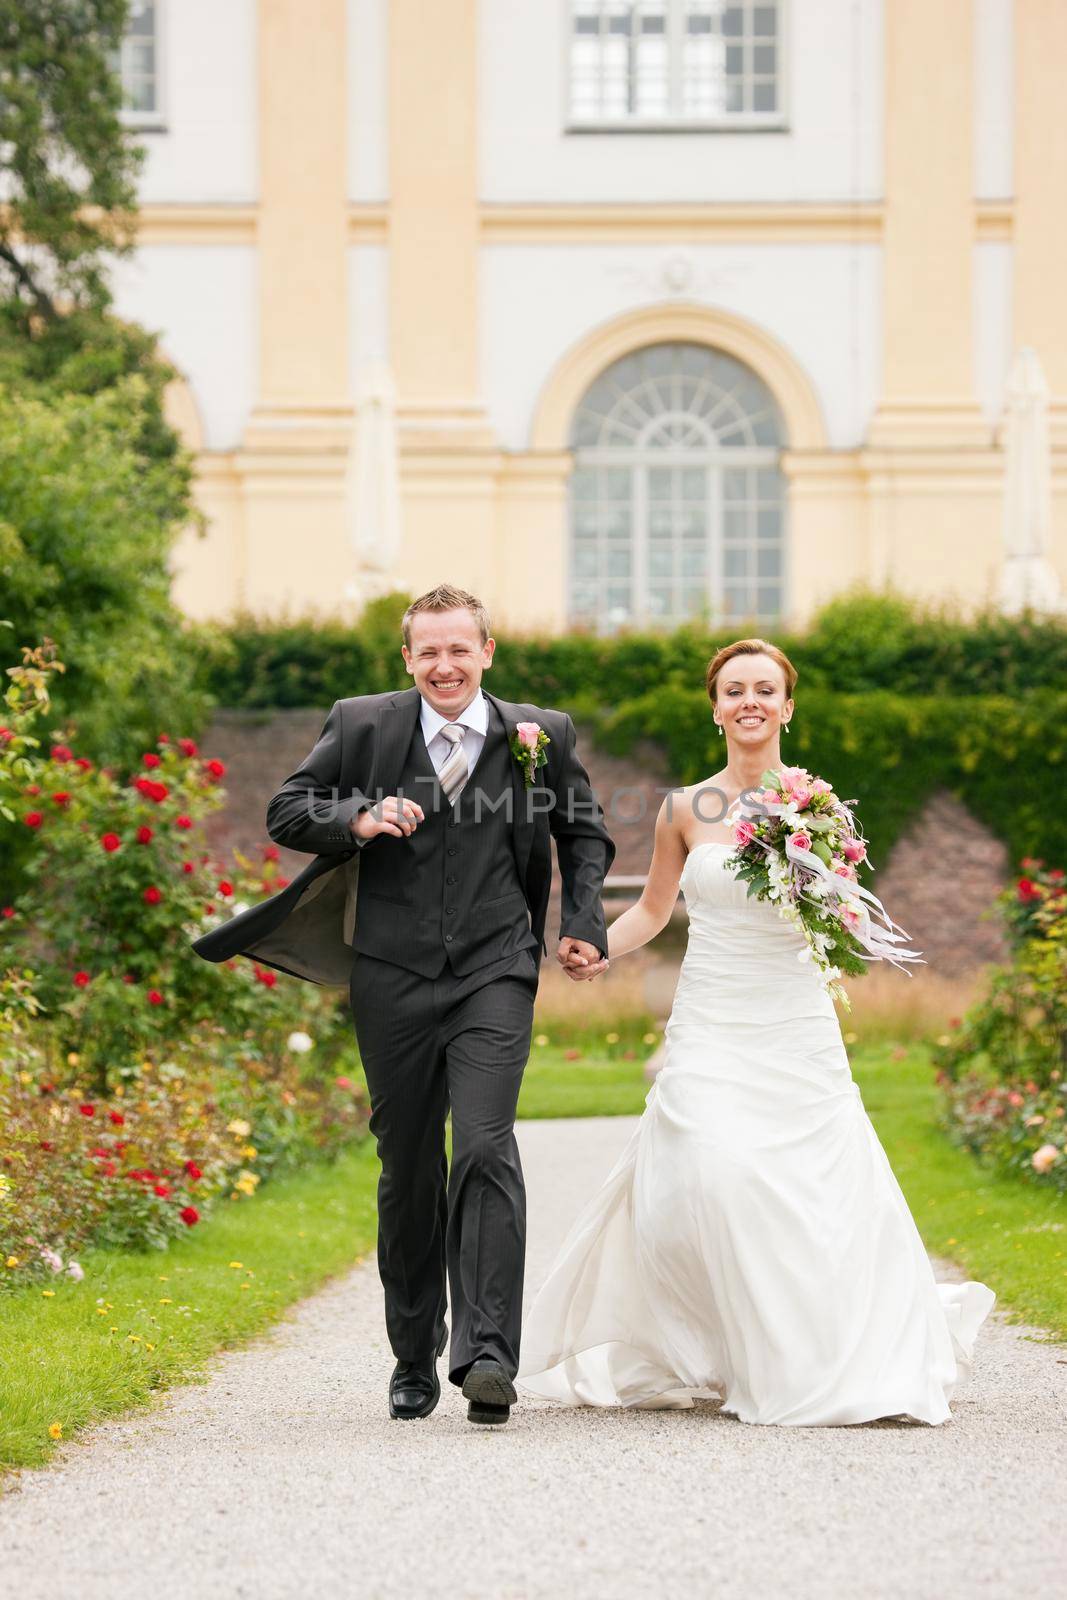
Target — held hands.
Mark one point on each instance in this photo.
(580, 960)
(391, 815)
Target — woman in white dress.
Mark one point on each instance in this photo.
(751, 1243)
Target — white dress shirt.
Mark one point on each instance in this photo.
(475, 722)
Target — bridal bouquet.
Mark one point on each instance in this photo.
(799, 846)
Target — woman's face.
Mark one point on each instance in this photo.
(750, 700)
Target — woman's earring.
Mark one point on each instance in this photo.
(785, 727)
(719, 726)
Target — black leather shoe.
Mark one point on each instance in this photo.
(414, 1388)
(489, 1392)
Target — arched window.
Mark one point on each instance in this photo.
(677, 497)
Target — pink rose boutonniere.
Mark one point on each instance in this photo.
(528, 747)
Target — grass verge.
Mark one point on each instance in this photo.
(63, 1362)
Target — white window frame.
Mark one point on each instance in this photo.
(738, 122)
(156, 118)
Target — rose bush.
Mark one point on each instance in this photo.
(1003, 1069)
(116, 886)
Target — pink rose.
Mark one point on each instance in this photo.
(854, 850)
(842, 868)
(770, 797)
(744, 832)
(528, 733)
(850, 918)
(801, 839)
(820, 786)
(1044, 1158)
(801, 797)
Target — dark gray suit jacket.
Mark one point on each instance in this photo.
(307, 928)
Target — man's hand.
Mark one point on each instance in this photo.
(391, 815)
(580, 959)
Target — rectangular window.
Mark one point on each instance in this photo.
(676, 64)
(138, 65)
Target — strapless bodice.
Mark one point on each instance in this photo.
(743, 960)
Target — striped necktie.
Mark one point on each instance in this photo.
(453, 775)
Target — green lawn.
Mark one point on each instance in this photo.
(594, 1086)
(62, 1362)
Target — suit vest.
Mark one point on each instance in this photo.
(451, 892)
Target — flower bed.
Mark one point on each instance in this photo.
(140, 1085)
(1003, 1069)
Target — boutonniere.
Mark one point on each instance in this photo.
(528, 747)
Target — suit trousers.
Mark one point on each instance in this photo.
(430, 1045)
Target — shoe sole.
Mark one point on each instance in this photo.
(488, 1386)
(488, 1419)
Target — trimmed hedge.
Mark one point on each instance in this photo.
(858, 643)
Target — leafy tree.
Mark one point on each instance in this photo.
(85, 539)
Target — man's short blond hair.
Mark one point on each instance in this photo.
(446, 597)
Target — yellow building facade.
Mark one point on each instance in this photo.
(859, 285)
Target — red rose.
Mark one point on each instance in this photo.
(108, 1168)
(193, 1170)
(8, 911)
(281, 883)
(46, 1144)
(152, 896)
(343, 1083)
(144, 835)
(271, 852)
(82, 980)
(6, 735)
(87, 1110)
(33, 819)
(183, 822)
(111, 841)
(216, 769)
(60, 752)
(164, 738)
(150, 759)
(263, 976)
(1028, 890)
(128, 977)
(83, 763)
(162, 1189)
(154, 997)
(117, 1118)
(60, 797)
(189, 1215)
(187, 867)
(1056, 874)
(225, 887)
(151, 789)
(187, 747)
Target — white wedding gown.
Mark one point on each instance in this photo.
(751, 1242)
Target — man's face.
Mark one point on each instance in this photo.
(447, 658)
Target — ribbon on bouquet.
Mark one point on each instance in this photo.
(875, 930)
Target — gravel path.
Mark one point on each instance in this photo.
(283, 1476)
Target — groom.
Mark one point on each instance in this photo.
(418, 805)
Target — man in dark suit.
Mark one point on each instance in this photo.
(432, 834)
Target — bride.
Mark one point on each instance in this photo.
(751, 1242)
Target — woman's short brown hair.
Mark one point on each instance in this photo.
(749, 647)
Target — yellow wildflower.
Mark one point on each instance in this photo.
(56, 1431)
(237, 1264)
(49, 1294)
(244, 1286)
(541, 1038)
(73, 1058)
(611, 1038)
(25, 1077)
(149, 1346)
(250, 1152)
(101, 1311)
(166, 1301)
(649, 1038)
(12, 1261)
